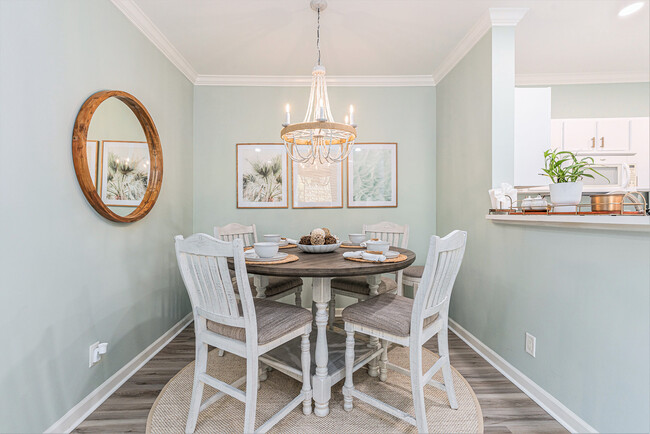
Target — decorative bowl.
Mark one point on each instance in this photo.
(323, 248)
(266, 250)
(357, 238)
(272, 238)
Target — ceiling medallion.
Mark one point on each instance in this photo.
(318, 136)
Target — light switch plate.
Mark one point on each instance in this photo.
(531, 344)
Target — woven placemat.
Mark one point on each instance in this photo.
(289, 258)
(288, 246)
(399, 258)
(348, 246)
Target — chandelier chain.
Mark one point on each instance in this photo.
(318, 36)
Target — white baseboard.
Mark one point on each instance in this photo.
(83, 409)
(550, 404)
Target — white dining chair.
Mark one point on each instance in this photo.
(271, 287)
(411, 323)
(357, 287)
(412, 276)
(245, 326)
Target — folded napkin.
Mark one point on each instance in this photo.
(291, 241)
(365, 255)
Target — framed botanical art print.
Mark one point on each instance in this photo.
(372, 175)
(316, 185)
(261, 175)
(124, 172)
(92, 146)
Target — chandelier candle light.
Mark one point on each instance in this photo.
(318, 136)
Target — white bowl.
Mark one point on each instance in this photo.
(323, 248)
(357, 238)
(266, 250)
(377, 246)
(272, 238)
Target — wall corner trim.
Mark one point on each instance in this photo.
(549, 403)
(86, 406)
(142, 22)
(493, 17)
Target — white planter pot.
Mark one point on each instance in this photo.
(566, 193)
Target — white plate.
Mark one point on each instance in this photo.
(391, 254)
(252, 257)
(283, 243)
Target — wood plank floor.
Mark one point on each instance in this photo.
(505, 407)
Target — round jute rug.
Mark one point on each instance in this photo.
(169, 412)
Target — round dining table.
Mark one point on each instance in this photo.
(322, 268)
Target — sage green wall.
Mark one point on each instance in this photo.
(69, 277)
(224, 116)
(610, 100)
(582, 293)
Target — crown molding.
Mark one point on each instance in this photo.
(493, 17)
(582, 78)
(133, 12)
(305, 80)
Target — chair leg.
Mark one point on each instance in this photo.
(261, 375)
(348, 386)
(417, 387)
(298, 300)
(200, 367)
(332, 311)
(415, 288)
(305, 359)
(383, 362)
(252, 368)
(443, 351)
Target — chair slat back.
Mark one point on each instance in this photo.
(443, 263)
(203, 263)
(234, 231)
(396, 235)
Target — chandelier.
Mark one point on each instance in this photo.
(318, 136)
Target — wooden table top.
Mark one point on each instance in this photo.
(327, 265)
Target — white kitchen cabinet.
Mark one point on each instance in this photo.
(557, 130)
(579, 134)
(613, 134)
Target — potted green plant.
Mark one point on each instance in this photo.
(566, 172)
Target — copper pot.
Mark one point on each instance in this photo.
(607, 202)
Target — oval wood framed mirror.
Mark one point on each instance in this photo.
(139, 175)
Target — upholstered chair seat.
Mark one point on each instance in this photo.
(274, 320)
(277, 285)
(414, 271)
(359, 285)
(389, 313)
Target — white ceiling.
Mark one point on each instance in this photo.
(395, 37)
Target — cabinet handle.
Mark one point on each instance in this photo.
(602, 142)
(593, 142)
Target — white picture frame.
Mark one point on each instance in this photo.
(120, 188)
(372, 175)
(256, 186)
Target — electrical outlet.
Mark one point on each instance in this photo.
(531, 343)
(95, 352)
